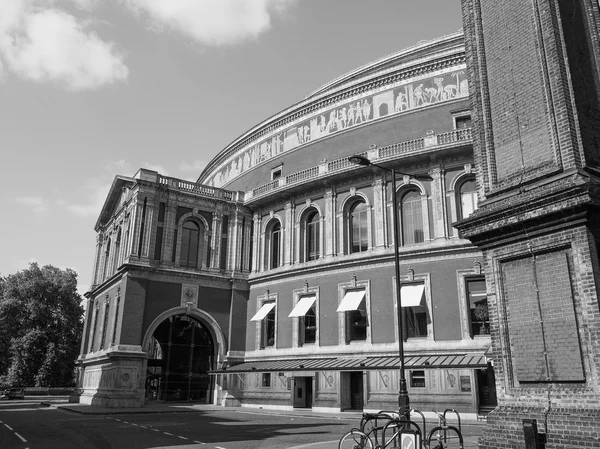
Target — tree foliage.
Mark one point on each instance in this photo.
(40, 326)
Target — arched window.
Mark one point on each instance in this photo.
(311, 235)
(411, 218)
(190, 240)
(275, 245)
(358, 228)
(467, 198)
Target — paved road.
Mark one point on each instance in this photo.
(30, 425)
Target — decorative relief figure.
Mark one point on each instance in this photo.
(393, 101)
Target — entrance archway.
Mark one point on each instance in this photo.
(181, 351)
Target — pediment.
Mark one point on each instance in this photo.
(117, 194)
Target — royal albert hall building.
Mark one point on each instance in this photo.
(270, 282)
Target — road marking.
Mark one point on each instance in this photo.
(133, 424)
(143, 427)
(156, 430)
(21, 438)
(8, 427)
(167, 433)
(183, 438)
(219, 447)
(199, 442)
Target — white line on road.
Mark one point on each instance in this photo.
(8, 427)
(199, 442)
(183, 438)
(156, 430)
(21, 438)
(219, 447)
(167, 433)
(143, 427)
(133, 424)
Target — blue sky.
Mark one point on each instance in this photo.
(94, 88)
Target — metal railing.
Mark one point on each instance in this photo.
(327, 168)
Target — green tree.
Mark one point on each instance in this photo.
(41, 316)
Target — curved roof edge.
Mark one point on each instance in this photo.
(422, 52)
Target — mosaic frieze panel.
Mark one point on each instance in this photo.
(399, 99)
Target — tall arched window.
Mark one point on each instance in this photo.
(190, 240)
(275, 245)
(411, 218)
(358, 228)
(311, 236)
(467, 198)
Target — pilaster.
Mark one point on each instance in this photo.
(440, 223)
(330, 223)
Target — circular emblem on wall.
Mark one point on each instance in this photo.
(330, 379)
(126, 377)
(386, 379)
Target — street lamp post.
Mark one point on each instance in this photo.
(403, 400)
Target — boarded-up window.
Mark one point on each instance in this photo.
(541, 319)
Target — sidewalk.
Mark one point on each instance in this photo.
(470, 442)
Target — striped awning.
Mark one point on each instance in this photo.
(359, 363)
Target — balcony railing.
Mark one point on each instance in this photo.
(328, 168)
(199, 189)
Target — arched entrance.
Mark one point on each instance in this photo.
(181, 351)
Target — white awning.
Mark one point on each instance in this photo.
(263, 311)
(412, 295)
(351, 301)
(303, 306)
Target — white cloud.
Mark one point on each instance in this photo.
(158, 168)
(195, 167)
(42, 43)
(96, 189)
(211, 22)
(37, 203)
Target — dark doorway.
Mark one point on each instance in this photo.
(356, 390)
(180, 355)
(486, 389)
(303, 392)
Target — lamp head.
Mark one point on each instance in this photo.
(423, 177)
(359, 160)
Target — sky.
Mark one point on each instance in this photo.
(94, 88)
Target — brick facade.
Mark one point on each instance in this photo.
(534, 76)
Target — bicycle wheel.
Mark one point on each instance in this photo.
(445, 438)
(355, 439)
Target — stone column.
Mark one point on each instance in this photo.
(439, 205)
(379, 215)
(217, 225)
(330, 223)
(288, 248)
(257, 264)
(98, 256)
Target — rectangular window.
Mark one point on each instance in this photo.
(268, 330)
(276, 173)
(354, 310)
(266, 380)
(463, 122)
(308, 327)
(478, 306)
(357, 321)
(414, 310)
(417, 379)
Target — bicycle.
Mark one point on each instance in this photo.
(372, 434)
(442, 432)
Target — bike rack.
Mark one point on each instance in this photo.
(457, 416)
(422, 418)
